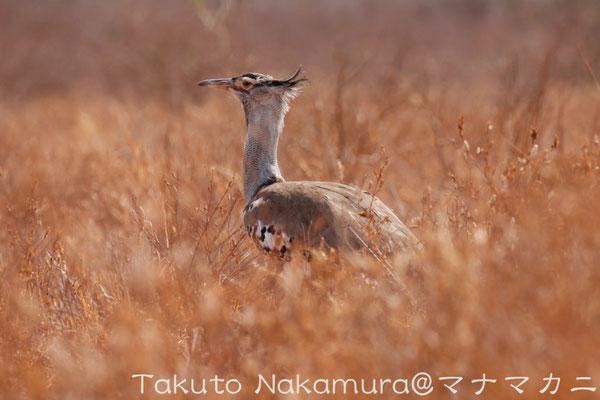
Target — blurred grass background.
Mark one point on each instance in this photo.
(121, 248)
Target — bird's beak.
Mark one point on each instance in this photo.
(223, 83)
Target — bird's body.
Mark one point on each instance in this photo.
(322, 214)
(283, 216)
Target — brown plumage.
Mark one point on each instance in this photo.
(281, 216)
(324, 215)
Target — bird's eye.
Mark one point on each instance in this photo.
(246, 84)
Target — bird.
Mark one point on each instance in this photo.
(282, 217)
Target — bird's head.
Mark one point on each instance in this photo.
(258, 92)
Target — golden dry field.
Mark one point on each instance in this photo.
(122, 249)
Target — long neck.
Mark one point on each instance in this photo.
(260, 151)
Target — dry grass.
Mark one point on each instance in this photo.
(121, 248)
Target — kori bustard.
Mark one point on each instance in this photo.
(281, 216)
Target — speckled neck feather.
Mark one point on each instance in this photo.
(265, 124)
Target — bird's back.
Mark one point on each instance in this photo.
(285, 215)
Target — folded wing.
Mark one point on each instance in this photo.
(323, 214)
